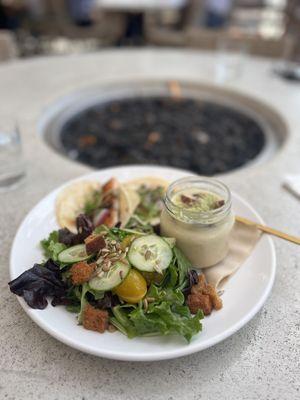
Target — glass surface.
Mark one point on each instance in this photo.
(230, 59)
(12, 167)
(202, 184)
(201, 235)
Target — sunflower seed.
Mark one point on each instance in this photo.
(106, 266)
(111, 328)
(145, 302)
(150, 299)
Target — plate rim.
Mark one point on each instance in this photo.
(169, 354)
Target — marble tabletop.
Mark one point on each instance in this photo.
(261, 361)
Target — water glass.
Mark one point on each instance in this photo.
(12, 166)
(230, 59)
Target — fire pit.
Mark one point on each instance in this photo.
(205, 130)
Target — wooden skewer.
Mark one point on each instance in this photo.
(269, 230)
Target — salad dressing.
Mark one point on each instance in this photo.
(198, 215)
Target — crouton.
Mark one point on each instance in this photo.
(94, 243)
(199, 301)
(200, 285)
(82, 272)
(203, 296)
(95, 319)
(214, 297)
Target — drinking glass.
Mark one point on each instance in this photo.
(230, 59)
(12, 166)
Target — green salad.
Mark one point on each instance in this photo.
(128, 278)
(142, 291)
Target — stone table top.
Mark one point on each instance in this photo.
(261, 361)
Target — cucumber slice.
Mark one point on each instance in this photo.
(112, 278)
(150, 253)
(73, 254)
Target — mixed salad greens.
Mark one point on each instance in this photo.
(129, 278)
(149, 302)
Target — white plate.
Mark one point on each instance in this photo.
(245, 292)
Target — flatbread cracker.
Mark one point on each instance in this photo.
(148, 181)
(129, 200)
(71, 200)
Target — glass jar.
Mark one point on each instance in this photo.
(201, 235)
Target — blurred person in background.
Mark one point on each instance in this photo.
(11, 12)
(217, 12)
(80, 11)
(36, 8)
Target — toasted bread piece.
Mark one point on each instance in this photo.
(82, 272)
(199, 301)
(94, 319)
(94, 243)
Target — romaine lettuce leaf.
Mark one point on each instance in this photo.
(183, 265)
(166, 314)
(83, 300)
(52, 247)
(173, 296)
(164, 319)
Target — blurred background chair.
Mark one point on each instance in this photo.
(265, 28)
(77, 19)
(268, 28)
(8, 46)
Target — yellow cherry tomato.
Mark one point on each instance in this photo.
(133, 288)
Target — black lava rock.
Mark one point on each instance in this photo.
(199, 136)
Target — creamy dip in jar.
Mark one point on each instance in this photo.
(197, 213)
